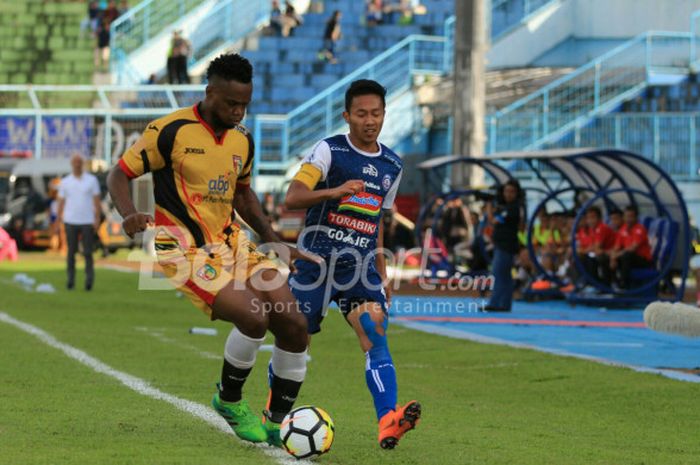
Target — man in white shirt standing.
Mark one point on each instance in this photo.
(79, 211)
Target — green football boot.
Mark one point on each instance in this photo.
(273, 430)
(241, 419)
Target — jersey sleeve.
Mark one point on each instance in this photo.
(245, 176)
(144, 156)
(391, 195)
(308, 175)
(320, 158)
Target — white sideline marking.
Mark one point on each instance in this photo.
(143, 387)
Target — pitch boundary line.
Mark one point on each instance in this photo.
(142, 386)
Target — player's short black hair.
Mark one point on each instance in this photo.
(632, 208)
(615, 211)
(595, 209)
(231, 67)
(364, 87)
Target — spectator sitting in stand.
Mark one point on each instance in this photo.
(276, 17)
(290, 20)
(375, 14)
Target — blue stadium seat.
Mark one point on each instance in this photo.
(292, 63)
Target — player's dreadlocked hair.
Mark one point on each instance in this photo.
(364, 87)
(231, 67)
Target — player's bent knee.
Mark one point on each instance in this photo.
(254, 325)
(292, 328)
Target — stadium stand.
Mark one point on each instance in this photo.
(290, 72)
(42, 43)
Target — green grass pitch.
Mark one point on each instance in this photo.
(482, 404)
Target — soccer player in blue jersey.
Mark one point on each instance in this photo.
(345, 183)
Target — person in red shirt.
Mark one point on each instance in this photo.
(632, 249)
(594, 244)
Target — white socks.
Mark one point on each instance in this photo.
(241, 350)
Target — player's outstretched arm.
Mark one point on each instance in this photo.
(118, 185)
(300, 196)
(248, 206)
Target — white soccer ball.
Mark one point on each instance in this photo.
(307, 432)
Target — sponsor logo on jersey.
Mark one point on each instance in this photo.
(237, 165)
(370, 170)
(362, 202)
(207, 272)
(348, 237)
(386, 182)
(219, 186)
(339, 148)
(372, 185)
(196, 150)
(357, 224)
(197, 198)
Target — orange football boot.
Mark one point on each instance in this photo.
(396, 423)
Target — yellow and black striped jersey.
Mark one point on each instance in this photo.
(195, 174)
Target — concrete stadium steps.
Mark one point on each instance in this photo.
(42, 43)
(503, 87)
(288, 71)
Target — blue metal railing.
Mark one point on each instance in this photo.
(280, 138)
(596, 88)
(217, 24)
(695, 40)
(145, 21)
(668, 139)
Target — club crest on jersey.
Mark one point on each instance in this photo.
(207, 273)
(386, 182)
(370, 170)
(237, 164)
(362, 202)
(357, 224)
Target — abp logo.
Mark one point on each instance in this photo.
(219, 186)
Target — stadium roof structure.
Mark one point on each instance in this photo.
(611, 177)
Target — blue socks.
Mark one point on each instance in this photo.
(381, 379)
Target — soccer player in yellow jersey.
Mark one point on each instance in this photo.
(199, 157)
